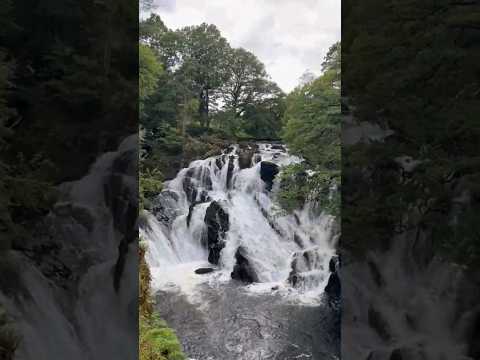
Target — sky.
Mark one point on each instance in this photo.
(288, 36)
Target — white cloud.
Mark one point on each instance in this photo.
(289, 36)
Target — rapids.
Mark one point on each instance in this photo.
(220, 214)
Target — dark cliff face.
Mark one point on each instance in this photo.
(74, 285)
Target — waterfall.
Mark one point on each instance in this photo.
(221, 213)
(66, 306)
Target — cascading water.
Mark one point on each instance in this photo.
(222, 211)
(218, 221)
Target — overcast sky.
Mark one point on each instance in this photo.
(288, 36)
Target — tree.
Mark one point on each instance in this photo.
(247, 82)
(163, 41)
(312, 130)
(333, 60)
(203, 53)
(149, 73)
(306, 78)
(250, 99)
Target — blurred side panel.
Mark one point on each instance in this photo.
(411, 173)
(68, 179)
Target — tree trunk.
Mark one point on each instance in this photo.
(203, 109)
(207, 109)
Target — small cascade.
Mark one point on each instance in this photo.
(220, 213)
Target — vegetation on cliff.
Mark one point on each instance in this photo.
(312, 130)
(156, 340)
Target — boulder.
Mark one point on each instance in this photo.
(333, 288)
(245, 157)
(242, 270)
(231, 168)
(217, 222)
(202, 271)
(333, 264)
(268, 171)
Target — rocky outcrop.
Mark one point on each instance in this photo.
(268, 171)
(242, 270)
(217, 222)
(246, 154)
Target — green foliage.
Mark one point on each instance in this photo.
(417, 76)
(150, 70)
(312, 122)
(299, 184)
(294, 187)
(312, 130)
(156, 340)
(150, 184)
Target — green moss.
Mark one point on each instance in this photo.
(156, 340)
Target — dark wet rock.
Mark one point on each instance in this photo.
(278, 147)
(270, 220)
(190, 189)
(298, 240)
(204, 197)
(257, 158)
(219, 161)
(334, 263)
(275, 288)
(242, 270)
(377, 322)
(231, 167)
(191, 208)
(202, 271)
(333, 288)
(268, 171)
(205, 178)
(164, 206)
(245, 158)
(303, 262)
(474, 338)
(297, 219)
(217, 222)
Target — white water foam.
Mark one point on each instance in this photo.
(270, 239)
